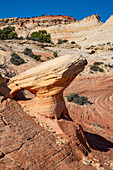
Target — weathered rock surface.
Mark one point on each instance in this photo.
(24, 144)
(47, 81)
(3, 87)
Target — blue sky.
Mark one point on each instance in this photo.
(79, 9)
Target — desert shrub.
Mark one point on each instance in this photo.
(12, 35)
(97, 63)
(92, 52)
(20, 38)
(59, 41)
(72, 42)
(10, 74)
(101, 70)
(108, 43)
(16, 59)
(3, 49)
(75, 98)
(8, 33)
(94, 68)
(62, 41)
(55, 54)
(29, 52)
(111, 49)
(65, 41)
(41, 36)
(37, 57)
(8, 29)
(109, 65)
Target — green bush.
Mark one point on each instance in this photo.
(41, 36)
(92, 52)
(101, 70)
(59, 41)
(97, 63)
(37, 57)
(75, 98)
(8, 33)
(65, 41)
(55, 54)
(96, 67)
(72, 42)
(16, 59)
(62, 41)
(29, 52)
(20, 38)
(12, 35)
(109, 65)
(111, 49)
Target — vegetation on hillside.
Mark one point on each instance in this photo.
(61, 41)
(55, 54)
(16, 59)
(41, 36)
(75, 98)
(29, 52)
(8, 33)
(96, 67)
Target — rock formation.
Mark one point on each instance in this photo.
(47, 81)
(76, 31)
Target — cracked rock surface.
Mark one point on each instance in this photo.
(25, 144)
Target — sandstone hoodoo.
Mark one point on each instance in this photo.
(48, 81)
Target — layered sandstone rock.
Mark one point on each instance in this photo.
(74, 31)
(47, 81)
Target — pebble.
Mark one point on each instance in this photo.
(86, 162)
(100, 168)
(97, 165)
(106, 163)
(111, 165)
(95, 159)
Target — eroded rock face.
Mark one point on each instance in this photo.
(47, 81)
(4, 90)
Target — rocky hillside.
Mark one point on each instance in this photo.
(60, 27)
(64, 27)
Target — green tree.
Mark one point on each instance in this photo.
(16, 59)
(8, 33)
(41, 36)
(12, 35)
(55, 53)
